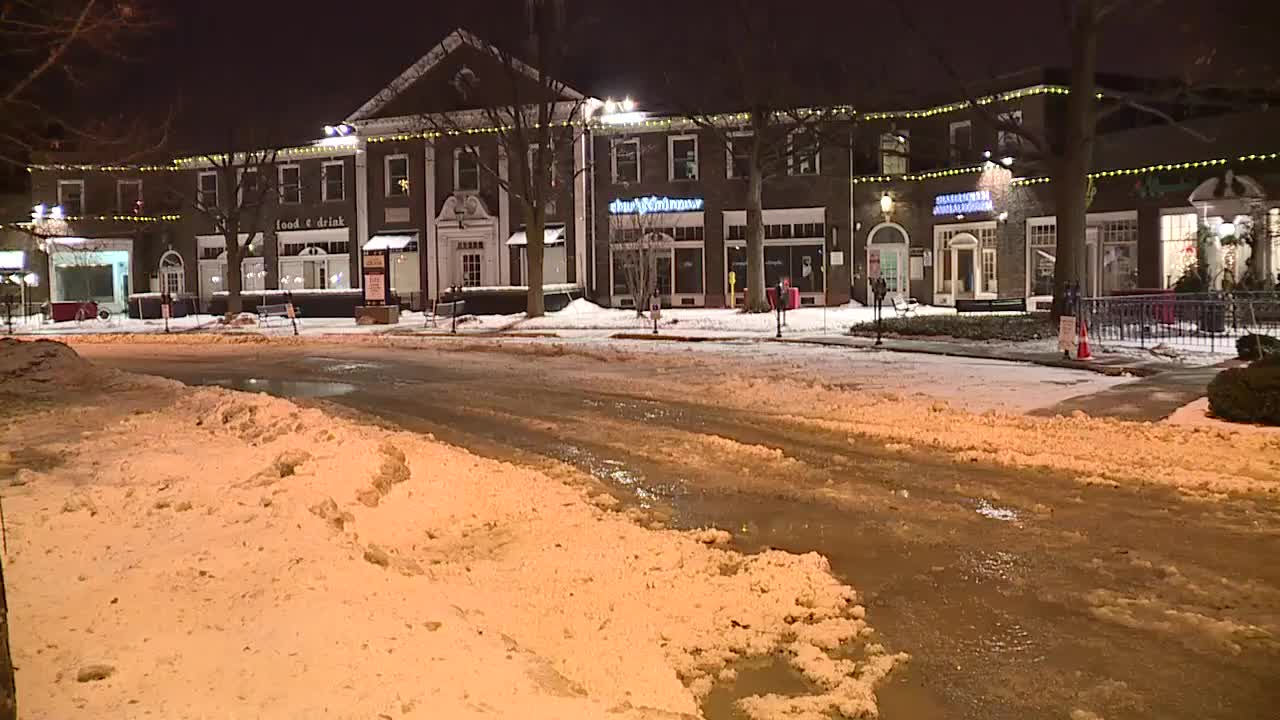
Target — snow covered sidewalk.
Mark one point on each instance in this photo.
(256, 559)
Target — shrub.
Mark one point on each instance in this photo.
(981, 327)
(1254, 347)
(1249, 395)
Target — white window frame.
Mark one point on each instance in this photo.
(200, 192)
(62, 202)
(791, 155)
(1043, 221)
(613, 157)
(457, 170)
(256, 170)
(904, 150)
(1167, 280)
(671, 158)
(956, 151)
(533, 153)
(728, 171)
(179, 271)
(386, 174)
(280, 178)
(324, 180)
(120, 196)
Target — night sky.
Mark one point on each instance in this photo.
(290, 66)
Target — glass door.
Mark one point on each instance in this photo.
(966, 277)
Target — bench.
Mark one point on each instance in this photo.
(905, 306)
(1018, 305)
(266, 312)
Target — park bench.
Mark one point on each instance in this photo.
(905, 306)
(266, 312)
(1018, 305)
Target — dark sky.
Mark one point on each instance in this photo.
(290, 66)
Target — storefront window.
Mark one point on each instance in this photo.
(1178, 245)
(689, 279)
(1119, 255)
(1042, 243)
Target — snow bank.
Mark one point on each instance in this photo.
(253, 558)
(1216, 458)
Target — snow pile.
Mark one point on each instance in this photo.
(1105, 450)
(257, 559)
(39, 369)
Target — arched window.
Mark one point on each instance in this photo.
(173, 276)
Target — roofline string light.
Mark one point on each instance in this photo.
(1165, 167)
(1254, 157)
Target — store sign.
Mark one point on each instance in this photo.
(323, 223)
(654, 204)
(963, 203)
(13, 260)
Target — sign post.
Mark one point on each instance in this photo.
(377, 289)
(1067, 323)
(655, 312)
(166, 309)
(733, 289)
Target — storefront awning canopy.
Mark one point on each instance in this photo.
(389, 242)
(550, 236)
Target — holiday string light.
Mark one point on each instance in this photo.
(1165, 167)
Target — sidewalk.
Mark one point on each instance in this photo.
(1114, 365)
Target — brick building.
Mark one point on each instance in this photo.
(932, 198)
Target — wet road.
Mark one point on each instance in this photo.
(1019, 594)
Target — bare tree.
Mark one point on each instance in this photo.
(1068, 159)
(533, 115)
(239, 205)
(48, 48)
(768, 134)
(637, 242)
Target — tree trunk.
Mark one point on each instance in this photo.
(537, 305)
(756, 301)
(235, 304)
(1072, 180)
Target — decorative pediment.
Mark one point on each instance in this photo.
(1230, 194)
(461, 82)
(466, 209)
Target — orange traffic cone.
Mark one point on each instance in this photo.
(1082, 352)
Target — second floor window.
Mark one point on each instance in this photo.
(626, 161)
(961, 141)
(397, 174)
(740, 155)
(207, 196)
(129, 196)
(290, 184)
(684, 157)
(895, 147)
(804, 153)
(466, 170)
(1008, 140)
(335, 181)
(71, 197)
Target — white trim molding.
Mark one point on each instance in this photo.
(428, 62)
(671, 158)
(386, 175)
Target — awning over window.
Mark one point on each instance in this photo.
(551, 236)
(389, 242)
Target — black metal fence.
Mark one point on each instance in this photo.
(1211, 320)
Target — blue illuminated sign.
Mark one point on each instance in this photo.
(653, 204)
(963, 203)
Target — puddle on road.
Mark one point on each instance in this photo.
(285, 388)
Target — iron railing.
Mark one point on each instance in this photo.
(1213, 319)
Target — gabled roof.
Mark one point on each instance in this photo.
(428, 62)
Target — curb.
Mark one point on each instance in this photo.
(676, 338)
